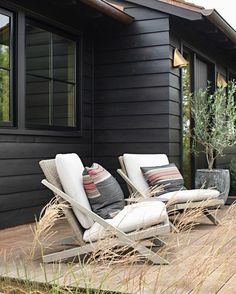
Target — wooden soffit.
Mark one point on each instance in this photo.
(110, 10)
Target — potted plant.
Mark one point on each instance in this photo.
(232, 170)
(214, 128)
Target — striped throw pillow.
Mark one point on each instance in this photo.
(103, 191)
(166, 175)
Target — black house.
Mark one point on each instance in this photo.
(97, 78)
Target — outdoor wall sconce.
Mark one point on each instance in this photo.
(178, 59)
(220, 81)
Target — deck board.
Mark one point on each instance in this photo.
(191, 255)
(229, 286)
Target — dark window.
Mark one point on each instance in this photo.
(50, 78)
(5, 69)
(196, 75)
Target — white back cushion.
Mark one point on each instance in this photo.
(133, 162)
(70, 169)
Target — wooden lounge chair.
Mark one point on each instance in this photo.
(122, 239)
(130, 171)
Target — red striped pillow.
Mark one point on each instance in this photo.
(166, 175)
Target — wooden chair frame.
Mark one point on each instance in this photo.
(121, 240)
(205, 205)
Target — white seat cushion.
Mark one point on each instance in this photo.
(133, 162)
(70, 169)
(133, 217)
(183, 196)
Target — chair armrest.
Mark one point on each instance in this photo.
(141, 199)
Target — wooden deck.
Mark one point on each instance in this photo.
(201, 261)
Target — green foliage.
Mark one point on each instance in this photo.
(186, 123)
(214, 118)
(4, 84)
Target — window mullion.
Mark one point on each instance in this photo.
(51, 102)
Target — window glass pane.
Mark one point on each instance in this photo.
(4, 96)
(63, 59)
(5, 68)
(37, 101)
(37, 51)
(51, 80)
(4, 41)
(63, 104)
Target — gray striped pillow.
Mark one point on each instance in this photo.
(103, 191)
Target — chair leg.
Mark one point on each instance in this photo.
(76, 251)
(68, 253)
(68, 241)
(211, 217)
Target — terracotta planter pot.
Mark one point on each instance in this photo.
(216, 178)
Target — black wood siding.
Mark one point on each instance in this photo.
(22, 195)
(133, 86)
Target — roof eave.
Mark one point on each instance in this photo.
(109, 10)
(215, 18)
(169, 9)
(193, 15)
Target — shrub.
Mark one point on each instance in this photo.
(214, 117)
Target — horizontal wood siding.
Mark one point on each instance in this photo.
(132, 77)
(22, 195)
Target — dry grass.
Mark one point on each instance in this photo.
(149, 193)
(42, 230)
(205, 270)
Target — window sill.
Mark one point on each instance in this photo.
(46, 133)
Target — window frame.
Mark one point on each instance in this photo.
(78, 80)
(18, 81)
(11, 122)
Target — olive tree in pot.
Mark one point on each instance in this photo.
(232, 170)
(214, 117)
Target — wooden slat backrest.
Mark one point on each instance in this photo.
(49, 169)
